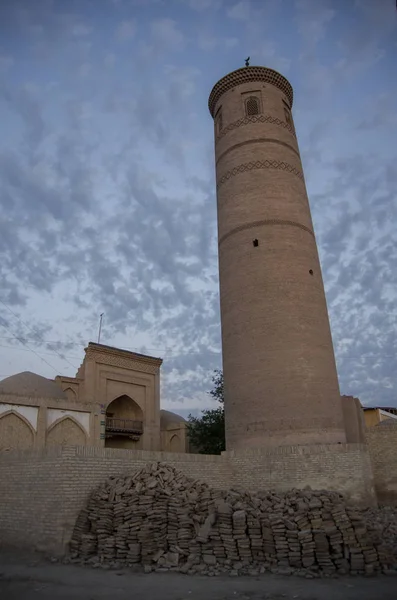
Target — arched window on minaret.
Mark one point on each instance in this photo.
(288, 117)
(287, 114)
(252, 106)
(218, 121)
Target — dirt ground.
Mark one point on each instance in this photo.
(32, 578)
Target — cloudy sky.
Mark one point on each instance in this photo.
(107, 177)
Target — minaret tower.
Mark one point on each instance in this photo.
(281, 385)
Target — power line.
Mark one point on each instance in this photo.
(31, 329)
(349, 361)
(134, 349)
(31, 350)
(22, 349)
(174, 354)
(164, 352)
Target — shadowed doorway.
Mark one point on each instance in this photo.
(124, 424)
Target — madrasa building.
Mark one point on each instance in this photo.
(113, 402)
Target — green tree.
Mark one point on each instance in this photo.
(207, 433)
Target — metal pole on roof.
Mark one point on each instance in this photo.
(100, 326)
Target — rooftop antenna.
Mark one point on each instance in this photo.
(100, 326)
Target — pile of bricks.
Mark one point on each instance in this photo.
(382, 526)
(160, 518)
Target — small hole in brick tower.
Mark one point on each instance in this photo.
(255, 243)
(311, 271)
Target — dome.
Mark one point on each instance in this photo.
(167, 417)
(31, 385)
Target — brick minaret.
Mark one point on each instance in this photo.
(281, 385)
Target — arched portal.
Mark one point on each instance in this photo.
(124, 423)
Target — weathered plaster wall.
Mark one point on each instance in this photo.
(354, 420)
(83, 418)
(27, 422)
(15, 432)
(30, 413)
(382, 442)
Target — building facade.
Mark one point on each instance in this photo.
(374, 415)
(113, 402)
(281, 384)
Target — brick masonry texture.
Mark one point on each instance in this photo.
(256, 119)
(343, 467)
(46, 489)
(281, 385)
(382, 442)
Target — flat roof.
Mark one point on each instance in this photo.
(387, 408)
(128, 352)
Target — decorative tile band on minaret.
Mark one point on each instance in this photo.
(281, 384)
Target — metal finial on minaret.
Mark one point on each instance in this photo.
(247, 61)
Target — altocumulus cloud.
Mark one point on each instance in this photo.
(107, 178)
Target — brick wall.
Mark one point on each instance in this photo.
(345, 468)
(382, 442)
(46, 489)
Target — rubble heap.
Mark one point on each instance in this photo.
(162, 519)
(382, 526)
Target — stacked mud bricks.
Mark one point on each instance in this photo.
(159, 517)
